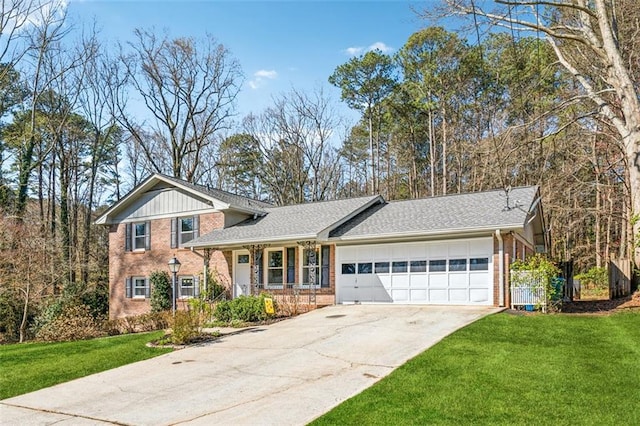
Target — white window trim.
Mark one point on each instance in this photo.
(265, 263)
(302, 267)
(134, 227)
(179, 230)
(144, 287)
(193, 286)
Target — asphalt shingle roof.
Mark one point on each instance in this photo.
(472, 211)
(233, 200)
(286, 222)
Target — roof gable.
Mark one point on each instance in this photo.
(161, 195)
(459, 213)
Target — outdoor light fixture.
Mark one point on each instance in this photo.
(174, 267)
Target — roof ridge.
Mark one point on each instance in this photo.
(324, 201)
(461, 194)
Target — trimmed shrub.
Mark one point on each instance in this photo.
(243, 309)
(160, 291)
(184, 327)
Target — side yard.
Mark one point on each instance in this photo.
(513, 369)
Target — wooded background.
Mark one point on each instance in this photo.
(535, 93)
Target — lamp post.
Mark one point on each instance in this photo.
(174, 267)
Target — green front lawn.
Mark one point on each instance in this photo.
(31, 366)
(507, 369)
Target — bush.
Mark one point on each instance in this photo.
(11, 308)
(75, 322)
(243, 309)
(139, 323)
(595, 277)
(184, 327)
(160, 291)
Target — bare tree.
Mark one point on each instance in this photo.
(586, 38)
(189, 87)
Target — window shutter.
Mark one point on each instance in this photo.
(260, 270)
(128, 287)
(196, 286)
(196, 226)
(147, 239)
(127, 237)
(174, 232)
(147, 288)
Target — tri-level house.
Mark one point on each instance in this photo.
(453, 249)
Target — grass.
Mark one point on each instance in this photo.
(31, 366)
(507, 369)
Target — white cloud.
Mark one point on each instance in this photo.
(381, 47)
(353, 51)
(260, 76)
(270, 74)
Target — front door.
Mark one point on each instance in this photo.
(241, 273)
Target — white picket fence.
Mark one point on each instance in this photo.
(530, 291)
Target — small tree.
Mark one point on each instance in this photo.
(160, 291)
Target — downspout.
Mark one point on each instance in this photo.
(500, 268)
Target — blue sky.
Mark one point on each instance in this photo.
(279, 44)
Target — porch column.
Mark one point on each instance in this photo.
(205, 279)
(310, 251)
(255, 259)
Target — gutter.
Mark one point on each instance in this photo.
(500, 268)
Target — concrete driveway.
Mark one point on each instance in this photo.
(286, 373)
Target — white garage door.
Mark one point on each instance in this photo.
(443, 272)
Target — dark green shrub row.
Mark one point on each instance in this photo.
(243, 308)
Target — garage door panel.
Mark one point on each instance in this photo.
(478, 279)
(439, 295)
(458, 281)
(479, 295)
(458, 295)
(458, 249)
(418, 281)
(438, 281)
(399, 281)
(400, 295)
(418, 295)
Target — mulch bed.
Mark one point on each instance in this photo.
(602, 306)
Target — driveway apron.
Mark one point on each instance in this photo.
(287, 373)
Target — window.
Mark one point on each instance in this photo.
(291, 265)
(187, 287)
(479, 264)
(274, 268)
(399, 267)
(243, 258)
(306, 260)
(457, 265)
(365, 268)
(437, 265)
(382, 267)
(139, 287)
(324, 261)
(137, 236)
(184, 229)
(348, 268)
(418, 266)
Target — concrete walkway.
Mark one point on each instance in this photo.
(287, 373)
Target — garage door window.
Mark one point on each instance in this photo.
(479, 264)
(365, 268)
(457, 265)
(382, 267)
(399, 267)
(348, 268)
(418, 266)
(437, 265)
